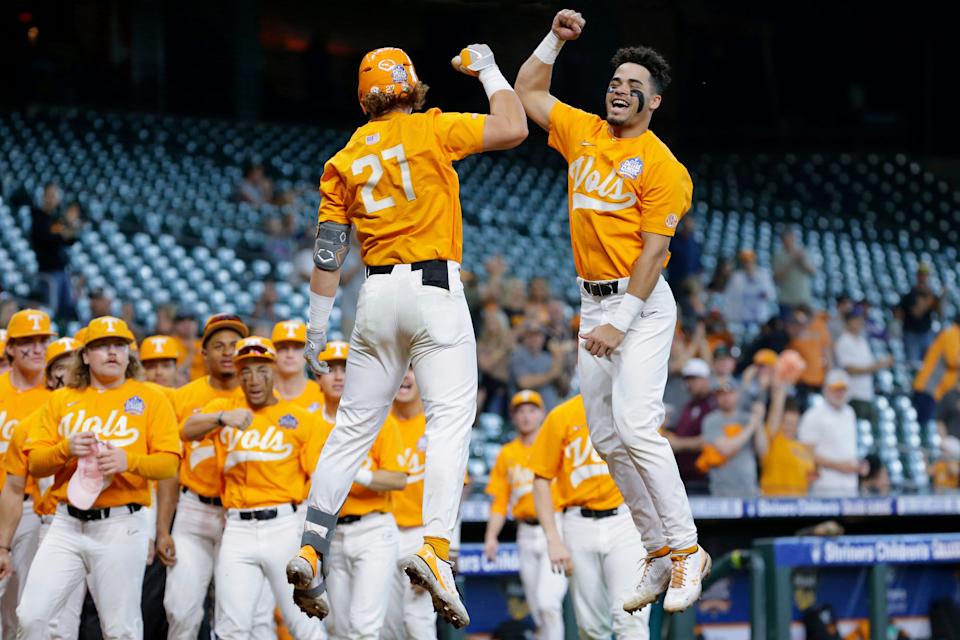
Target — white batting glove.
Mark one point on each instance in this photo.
(473, 59)
(316, 343)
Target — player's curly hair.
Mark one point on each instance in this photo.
(377, 104)
(646, 57)
(78, 373)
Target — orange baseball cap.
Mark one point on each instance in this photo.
(289, 331)
(526, 396)
(224, 321)
(336, 350)
(80, 335)
(388, 70)
(159, 348)
(747, 255)
(107, 327)
(767, 357)
(255, 347)
(28, 323)
(59, 348)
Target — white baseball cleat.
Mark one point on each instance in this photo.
(305, 573)
(654, 579)
(690, 567)
(426, 570)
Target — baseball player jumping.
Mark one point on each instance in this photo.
(261, 452)
(627, 193)
(395, 184)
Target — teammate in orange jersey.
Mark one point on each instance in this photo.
(4, 363)
(21, 499)
(627, 194)
(159, 356)
(364, 549)
(129, 429)
(511, 487)
(394, 183)
(289, 337)
(21, 392)
(190, 550)
(600, 547)
(261, 449)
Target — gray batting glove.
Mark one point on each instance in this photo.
(473, 59)
(316, 343)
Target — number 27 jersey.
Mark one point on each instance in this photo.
(394, 182)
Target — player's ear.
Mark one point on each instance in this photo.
(654, 102)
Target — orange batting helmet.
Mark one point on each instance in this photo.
(388, 70)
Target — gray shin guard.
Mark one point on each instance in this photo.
(320, 542)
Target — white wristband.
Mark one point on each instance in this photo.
(493, 81)
(320, 308)
(630, 307)
(364, 477)
(548, 50)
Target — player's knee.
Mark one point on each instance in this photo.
(32, 620)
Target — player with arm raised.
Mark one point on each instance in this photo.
(627, 194)
(394, 183)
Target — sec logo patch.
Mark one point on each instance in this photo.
(672, 220)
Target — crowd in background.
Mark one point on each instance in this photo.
(742, 418)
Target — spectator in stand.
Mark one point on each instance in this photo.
(689, 341)
(724, 364)
(732, 440)
(513, 300)
(263, 310)
(101, 303)
(533, 367)
(830, 429)
(163, 324)
(916, 312)
(685, 252)
(492, 289)
(538, 303)
(8, 307)
(281, 243)
(772, 337)
(948, 423)
(686, 433)
(793, 272)
(788, 466)
(838, 316)
(856, 357)
(558, 323)
(876, 481)
(50, 236)
(128, 314)
(717, 332)
(943, 354)
(810, 338)
(494, 347)
(255, 188)
(750, 296)
(191, 364)
(757, 380)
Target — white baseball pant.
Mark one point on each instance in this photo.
(543, 588)
(606, 553)
(65, 624)
(401, 321)
(623, 398)
(109, 553)
(361, 567)
(23, 548)
(410, 613)
(254, 553)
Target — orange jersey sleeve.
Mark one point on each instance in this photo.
(15, 460)
(15, 405)
(198, 469)
(618, 188)
(394, 182)
(385, 455)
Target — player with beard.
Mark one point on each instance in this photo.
(627, 194)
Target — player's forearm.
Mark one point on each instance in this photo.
(494, 527)
(533, 81)
(161, 465)
(197, 426)
(546, 511)
(46, 461)
(646, 270)
(511, 123)
(324, 282)
(387, 480)
(11, 509)
(168, 494)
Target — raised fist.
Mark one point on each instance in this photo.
(568, 24)
(473, 59)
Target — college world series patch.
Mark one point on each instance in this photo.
(631, 168)
(288, 422)
(134, 406)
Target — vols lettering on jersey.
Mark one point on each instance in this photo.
(563, 451)
(134, 416)
(511, 482)
(385, 454)
(15, 405)
(198, 469)
(617, 188)
(266, 463)
(394, 182)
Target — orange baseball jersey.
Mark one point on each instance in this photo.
(266, 463)
(617, 188)
(563, 451)
(15, 459)
(198, 469)
(15, 405)
(311, 399)
(385, 454)
(192, 350)
(133, 416)
(511, 482)
(394, 182)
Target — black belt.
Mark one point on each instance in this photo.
(349, 519)
(596, 515)
(435, 272)
(533, 522)
(262, 514)
(216, 502)
(100, 514)
(601, 289)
